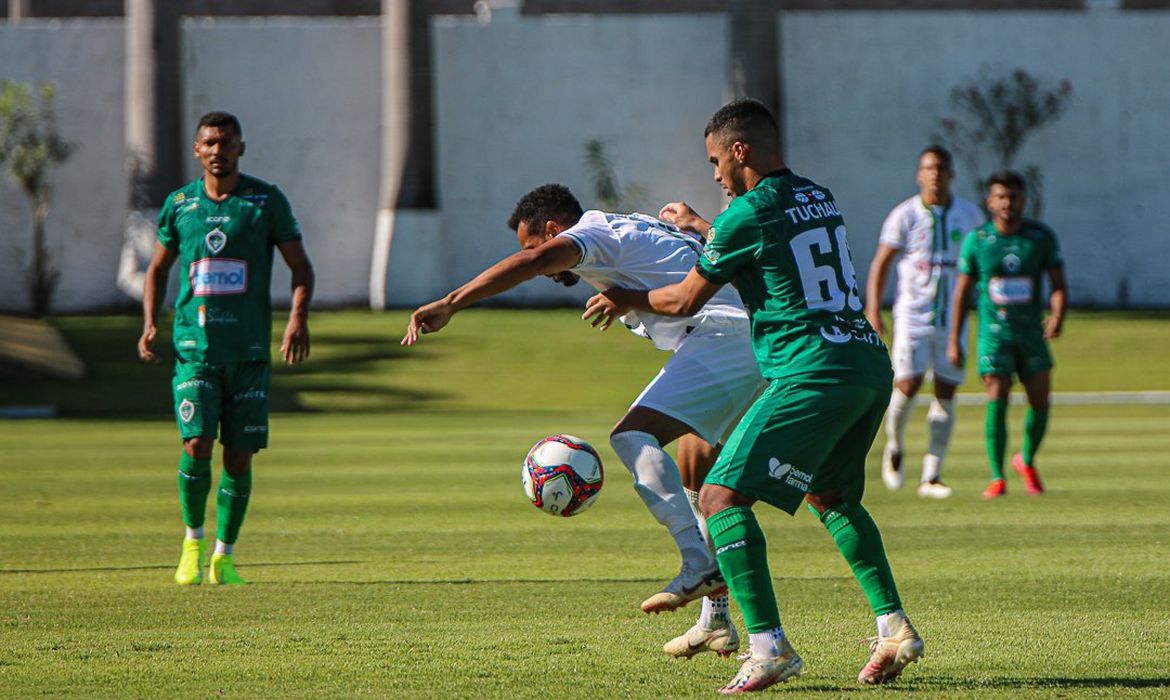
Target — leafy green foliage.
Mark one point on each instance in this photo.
(29, 143)
(29, 149)
(607, 191)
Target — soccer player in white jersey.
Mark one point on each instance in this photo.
(709, 380)
(927, 231)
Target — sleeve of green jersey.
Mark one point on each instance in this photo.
(166, 225)
(734, 241)
(284, 224)
(967, 264)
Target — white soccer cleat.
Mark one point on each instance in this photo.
(889, 655)
(934, 489)
(892, 474)
(759, 673)
(687, 586)
(721, 639)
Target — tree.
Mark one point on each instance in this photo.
(30, 147)
(998, 112)
(610, 195)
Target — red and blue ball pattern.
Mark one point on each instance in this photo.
(562, 475)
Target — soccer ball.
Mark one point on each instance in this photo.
(562, 475)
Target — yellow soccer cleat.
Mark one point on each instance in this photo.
(222, 571)
(190, 571)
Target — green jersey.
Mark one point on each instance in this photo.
(224, 310)
(783, 245)
(1008, 271)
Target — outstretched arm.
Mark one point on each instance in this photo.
(681, 299)
(1057, 300)
(557, 254)
(294, 344)
(154, 288)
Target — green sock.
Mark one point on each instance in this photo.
(194, 485)
(231, 504)
(860, 543)
(743, 559)
(995, 435)
(1035, 424)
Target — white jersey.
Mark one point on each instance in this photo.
(640, 252)
(929, 238)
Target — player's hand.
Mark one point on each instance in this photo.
(146, 343)
(1053, 327)
(426, 319)
(294, 346)
(604, 310)
(955, 355)
(680, 214)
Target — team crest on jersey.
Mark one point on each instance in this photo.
(818, 195)
(801, 197)
(186, 410)
(1011, 262)
(216, 240)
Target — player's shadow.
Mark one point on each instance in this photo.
(155, 567)
(348, 370)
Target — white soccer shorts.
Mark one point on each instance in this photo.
(914, 354)
(707, 383)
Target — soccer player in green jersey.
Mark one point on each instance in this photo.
(1006, 258)
(782, 242)
(223, 228)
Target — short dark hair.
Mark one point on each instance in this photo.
(218, 120)
(1009, 179)
(943, 154)
(744, 120)
(551, 202)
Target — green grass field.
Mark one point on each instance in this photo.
(392, 553)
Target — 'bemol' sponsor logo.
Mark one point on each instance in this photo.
(219, 276)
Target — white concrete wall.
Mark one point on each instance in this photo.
(89, 192)
(517, 99)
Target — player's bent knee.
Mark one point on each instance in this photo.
(824, 500)
(199, 447)
(714, 498)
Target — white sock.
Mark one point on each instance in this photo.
(222, 547)
(897, 416)
(715, 613)
(940, 421)
(659, 485)
(883, 622)
(766, 644)
(195, 533)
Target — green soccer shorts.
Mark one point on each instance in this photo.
(234, 395)
(800, 438)
(1023, 356)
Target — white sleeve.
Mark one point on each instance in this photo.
(894, 229)
(599, 244)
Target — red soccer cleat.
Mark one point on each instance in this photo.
(997, 488)
(1028, 474)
